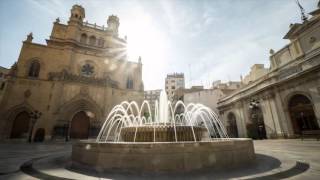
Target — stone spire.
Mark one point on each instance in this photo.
(302, 11)
(139, 60)
(29, 38)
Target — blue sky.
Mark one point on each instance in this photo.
(207, 40)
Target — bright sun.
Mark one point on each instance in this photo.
(145, 40)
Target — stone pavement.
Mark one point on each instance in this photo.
(294, 150)
(14, 154)
(276, 159)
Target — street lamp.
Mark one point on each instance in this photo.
(34, 116)
(254, 104)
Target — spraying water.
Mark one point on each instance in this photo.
(193, 122)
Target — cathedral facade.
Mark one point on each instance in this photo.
(285, 100)
(66, 88)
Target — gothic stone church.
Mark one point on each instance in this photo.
(66, 88)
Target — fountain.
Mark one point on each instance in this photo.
(173, 138)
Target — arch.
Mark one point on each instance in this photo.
(92, 40)
(81, 102)
(256, 129)
(10, 115)
(83, 38)
(80, 125)
(20, 127)
(302, 113)
(34, 69)
(39, 135)
(291, 94)
(232, 128)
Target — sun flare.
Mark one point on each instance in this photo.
(146, 40)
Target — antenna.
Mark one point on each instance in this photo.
(190, 79)
(303, 15)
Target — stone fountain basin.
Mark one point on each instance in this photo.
(146, 157)
(162, 133)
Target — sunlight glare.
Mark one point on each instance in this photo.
(147, 41)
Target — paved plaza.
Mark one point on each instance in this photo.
(275, 159)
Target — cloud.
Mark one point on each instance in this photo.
(53, 7)
(207, 40)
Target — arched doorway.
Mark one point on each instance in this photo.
(80, 126)
(39, 136)
(232, 128)
(302, 114)
(20, 126)
(257, 129)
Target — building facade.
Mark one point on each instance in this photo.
(285, 100)
(3, 80)
(152, 96)
(256, 72)
(230, 85)
(209, 97)
(74, 81)
(172, 83)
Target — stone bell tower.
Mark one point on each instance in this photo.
(75, 20)
(77, 15)
(113, 24)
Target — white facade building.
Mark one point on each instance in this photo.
(151, 96)
(207, 97)
(173, 82)
(284, 101)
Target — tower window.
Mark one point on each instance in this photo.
(34, 69)
(83, 38)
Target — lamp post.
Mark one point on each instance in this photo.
(254, 104)
(34, 116)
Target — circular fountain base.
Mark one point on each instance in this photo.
(162, 157)
(162, 133)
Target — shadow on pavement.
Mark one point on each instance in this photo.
(262, 164)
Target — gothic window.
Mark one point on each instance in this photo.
(34, 69)
(83, 38)
(87, 70)
(92, 40)
(129, 83)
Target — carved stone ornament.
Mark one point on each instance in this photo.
(64, 75)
